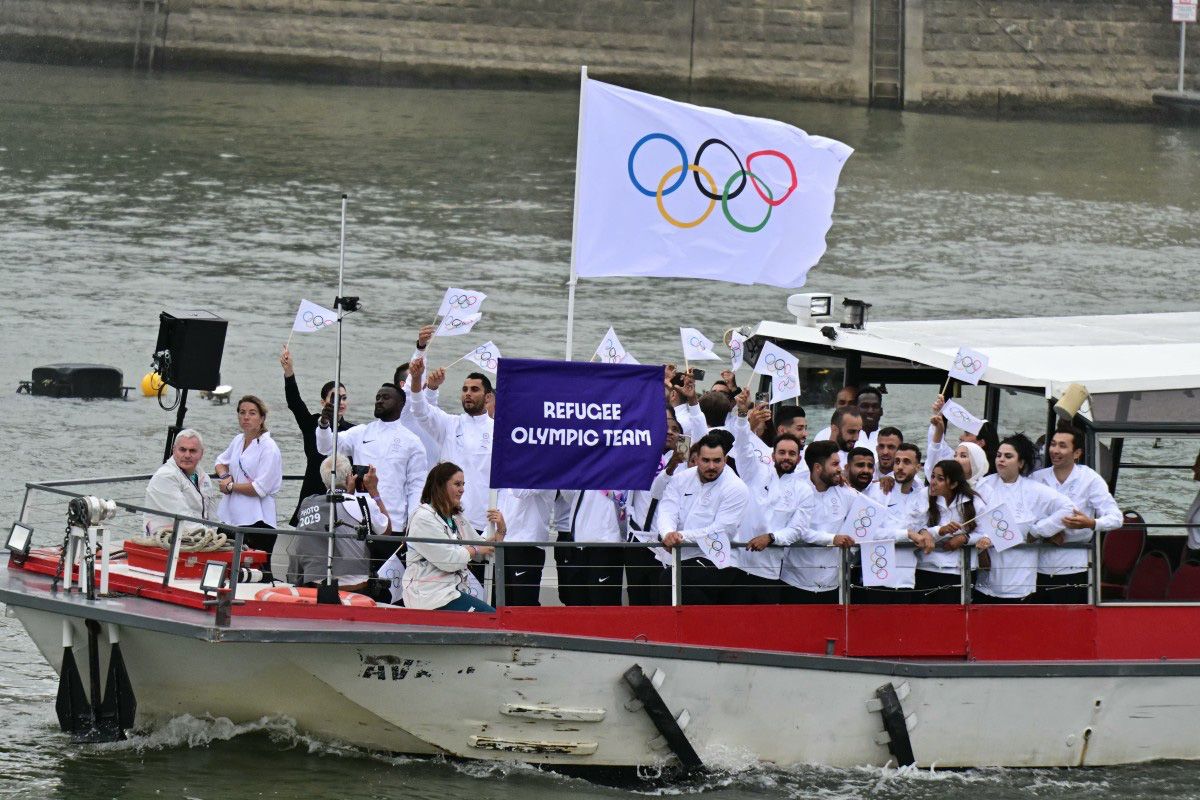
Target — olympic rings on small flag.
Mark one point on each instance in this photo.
(879, 562)
(1000, 526)
(716, 548)
(462, 301)
(679, 173)
(315, 321)
(863, 520)
(485, 358)
(779, 366)
(967, 364)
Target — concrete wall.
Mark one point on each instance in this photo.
(1000, 55)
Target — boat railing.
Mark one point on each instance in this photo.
(845, 562)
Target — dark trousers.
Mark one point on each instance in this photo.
(702, 583)
(1071, 588)
(790, 595)
(938, 588)
(645, 576)
(981, 599)
(260, 541)
(523, 575)
(600, 574)
(754, 590)
(568, 561)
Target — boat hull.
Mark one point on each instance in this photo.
(558, 700)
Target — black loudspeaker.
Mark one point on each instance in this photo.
(188, 353)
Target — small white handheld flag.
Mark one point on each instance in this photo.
(998, 525)
(486, 356)
(964, 419)
(737, 343)
(879, 563)
(969, 366)
(610, 350)
(456, 324)
(696, 347)
(461, 302)
(312, 318)
(783, 369)
(864, 519)
(715, 546)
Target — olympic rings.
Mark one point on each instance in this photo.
(967, 364)
(879, 561)
(717, 548)
(462, 301)
(455, 322)
(662, 209)
(779, 365)
(485, 358)
(696, 341)
(315, 321)
(679, 173)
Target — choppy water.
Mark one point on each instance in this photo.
(122, 195)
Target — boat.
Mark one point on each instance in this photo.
(653, 688)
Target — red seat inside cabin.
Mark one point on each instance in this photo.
(1150, 578)
(1185, 583)
(1121, 550)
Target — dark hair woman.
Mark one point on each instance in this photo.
(250, 474)
(949, 520)
(437, 576)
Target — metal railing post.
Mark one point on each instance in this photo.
(676, 576)
(498, 575)
(843, 575)
(172, 556)
(966, 575)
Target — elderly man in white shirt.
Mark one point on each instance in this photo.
(1063, 571)
(704, 499)
(179, 486)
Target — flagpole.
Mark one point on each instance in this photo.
(575, 217)
(335, 399)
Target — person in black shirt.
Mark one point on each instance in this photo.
(307, 423)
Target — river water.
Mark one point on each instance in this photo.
(124, 195)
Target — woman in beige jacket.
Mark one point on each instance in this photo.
(437, 577)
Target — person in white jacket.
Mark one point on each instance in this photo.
(465, 439)
(954, 506)
(437, 576)
(1039, 510)
(644, 570)
(707, 498)
(179, 486)
(386, 444)
(812, 572)
(1063, 571)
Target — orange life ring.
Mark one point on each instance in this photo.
(306, 596)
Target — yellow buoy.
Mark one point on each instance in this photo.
(151, 384)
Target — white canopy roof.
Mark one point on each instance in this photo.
(1106, 353)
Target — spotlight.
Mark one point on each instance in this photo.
(809, 307)
(19, 540)
(1071, 401)
(214, 576)
(854, 313)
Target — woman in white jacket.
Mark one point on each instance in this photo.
(437, 576)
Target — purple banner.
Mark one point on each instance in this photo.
(577, 425)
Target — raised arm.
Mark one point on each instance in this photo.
(437, 423)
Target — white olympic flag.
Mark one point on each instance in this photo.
(969, 366)
(611, 351)
(783, 369)
(673, 190)
(962, 418)
(456, 324)
(696, 346)
(461, 301)
(312, 318)
(486, 356)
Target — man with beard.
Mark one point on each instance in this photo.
(847, 397)
(702, 499)
(906, 504)
(396, 454)
(845, 427)
(860, 469)
(812, 572)
(781, 502)
(886, 444)
(464, 439)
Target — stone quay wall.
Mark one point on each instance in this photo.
(957, 54)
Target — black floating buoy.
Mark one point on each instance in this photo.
(87, 381)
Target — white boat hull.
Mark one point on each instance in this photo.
(563, 701)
